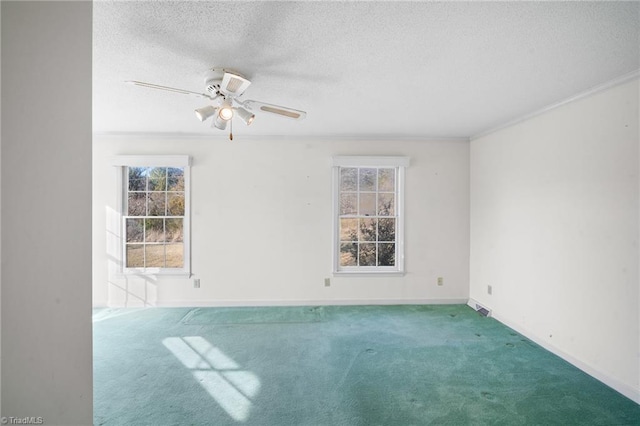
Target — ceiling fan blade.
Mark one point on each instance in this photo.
(169, 89)
(291, 113)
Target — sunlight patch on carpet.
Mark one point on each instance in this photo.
(230, 386)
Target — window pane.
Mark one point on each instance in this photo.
(137, 179)
(348, 229)
(135, 256)
(157, 203)
(136, 204)
(367, 204)
(155, 215)
(174, 230)
(348, 203)
(175, 179)
(368, 179)
(175, 255)
(386, 254)
(348, 179)
(135, 230)
(154, 255)
(387, 230)
(368, 229)
(386, 204)
(348, 254)
(368, 254)
(154, 230)
(175, 205)
(368, 212)
(386, 180)
(158, 179)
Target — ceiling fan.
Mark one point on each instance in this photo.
(224, 87)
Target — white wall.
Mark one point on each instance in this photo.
(0, 211)
(554, 231)
(46, 211)
(261, 230)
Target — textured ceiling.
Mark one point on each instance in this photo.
(359, 69)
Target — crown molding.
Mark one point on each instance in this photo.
(213, 137)
(593, 90)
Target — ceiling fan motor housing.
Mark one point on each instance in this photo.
(212, 81)
(224, 82)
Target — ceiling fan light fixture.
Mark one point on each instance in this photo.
(246, 116)
(219, 123)
(225, 113)
(205, 112)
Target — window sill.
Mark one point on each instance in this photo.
(153, 274)
(368, 273)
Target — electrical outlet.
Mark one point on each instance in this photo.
(196, 283)
(489, 289)
(440, 281)
(327, 282)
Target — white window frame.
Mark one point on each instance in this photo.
(181, 161)
(400, 164)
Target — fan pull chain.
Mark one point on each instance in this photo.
(231, 130)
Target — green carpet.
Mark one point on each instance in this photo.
(335, 365)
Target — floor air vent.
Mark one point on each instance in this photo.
(482, 310)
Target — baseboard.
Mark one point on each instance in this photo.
(282, 302)
(615, 384)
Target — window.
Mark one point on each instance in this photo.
(155, 214)
(368, 214)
